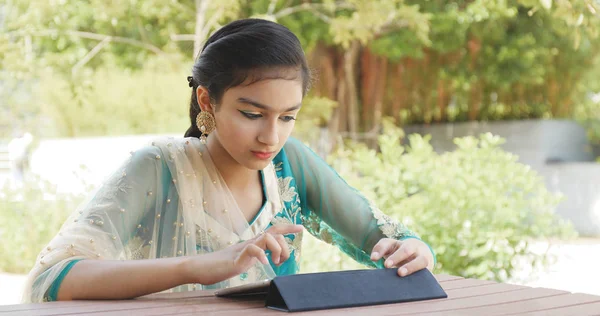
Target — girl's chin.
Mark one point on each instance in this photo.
(257, 164)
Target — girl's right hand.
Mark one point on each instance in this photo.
(238, 258)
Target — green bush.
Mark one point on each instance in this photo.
(477, 206)
(29, 218)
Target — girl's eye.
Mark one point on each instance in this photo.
(251, 116)
(288, 118)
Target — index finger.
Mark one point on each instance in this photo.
(384, 248)
(284, 229)
(405, 252)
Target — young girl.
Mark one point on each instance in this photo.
(227, 204)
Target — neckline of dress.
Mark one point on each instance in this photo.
(206, 157)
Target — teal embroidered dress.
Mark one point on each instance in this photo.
(169, 200)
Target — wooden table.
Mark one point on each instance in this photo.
(465, 297)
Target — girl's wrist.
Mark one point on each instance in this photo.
(205, 269)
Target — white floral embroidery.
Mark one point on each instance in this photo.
(295, 246)
(388, 230)
(286, 191)
(312, 222)
(202, 237)
(112, 189)
(380, 217)
(137, 248)
(281, 221)
(278, 166)
(389, 227)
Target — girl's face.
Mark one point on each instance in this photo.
(254, 121)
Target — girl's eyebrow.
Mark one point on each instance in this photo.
(266, 107)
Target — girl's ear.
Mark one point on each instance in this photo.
(203, 99)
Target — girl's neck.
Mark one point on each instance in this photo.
(234, 174)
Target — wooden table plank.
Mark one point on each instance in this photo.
(423, 306)
(480, 300)
(144, 307)
(436, 305)
(591, 309)
(192, 302)
(527, 306)
(185, 310)
(446, 277)
(93, 308)
(26, 307)
(465, 297)
(196, 307)
(481, 290)
(196, 310)
(155, 308)
(82, 304)
(456, 293)
(463, 283)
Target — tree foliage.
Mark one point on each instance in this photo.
(419, 61)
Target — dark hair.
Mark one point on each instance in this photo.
(241, 50)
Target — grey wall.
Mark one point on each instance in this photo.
(557, 149)
(536, 142)
(580, 183)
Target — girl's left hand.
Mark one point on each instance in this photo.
(408, 255)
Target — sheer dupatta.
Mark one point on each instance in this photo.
(167, 200)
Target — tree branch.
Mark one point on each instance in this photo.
(272, 7)
(90, 35)
(91, 54)
(211, 23)
(314, 7)
(182, 37)
(184, 7)
(203, 33)
(310, 7)
(201, 7)
(321, 16)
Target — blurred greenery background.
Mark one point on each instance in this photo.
(112, 68)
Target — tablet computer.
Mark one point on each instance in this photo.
(255, 288)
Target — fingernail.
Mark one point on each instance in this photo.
(276, 260)
(388, 263)
(375, 256)
(403, 271)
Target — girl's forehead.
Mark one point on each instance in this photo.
(275, 94)
(271, 73)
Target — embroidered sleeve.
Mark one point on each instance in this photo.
(335, 212)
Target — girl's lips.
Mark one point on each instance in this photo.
(262, 155)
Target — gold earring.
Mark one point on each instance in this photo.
(206, 123)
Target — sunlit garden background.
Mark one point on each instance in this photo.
(474, 122)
